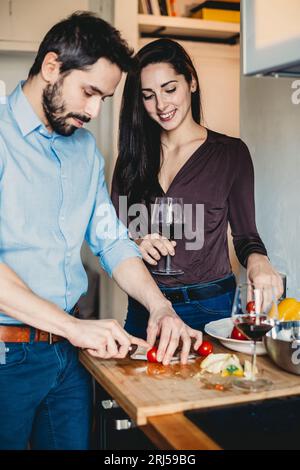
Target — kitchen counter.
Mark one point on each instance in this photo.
(155, 397)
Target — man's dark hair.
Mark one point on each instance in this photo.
(80, 40)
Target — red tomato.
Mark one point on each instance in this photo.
(250, 307)
(151, 354)
(205, 349)
(237, 334)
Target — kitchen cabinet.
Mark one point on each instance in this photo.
(23, 23)
(271, 44)
(5, 19)
(169, 404)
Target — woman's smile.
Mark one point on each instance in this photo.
(165, 117)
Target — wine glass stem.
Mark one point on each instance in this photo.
(253, 367)
(168, 262)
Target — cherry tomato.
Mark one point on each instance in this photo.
(151, 354)
(205, 349)
(250, 307)
(237, 334)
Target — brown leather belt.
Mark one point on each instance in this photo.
(22, 334)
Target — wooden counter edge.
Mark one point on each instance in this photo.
(176, 432)
(167, 432)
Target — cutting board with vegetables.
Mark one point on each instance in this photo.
(145, 389)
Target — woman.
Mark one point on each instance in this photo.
(165, 151)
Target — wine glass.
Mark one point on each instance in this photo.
(254, 313)
(168, 220)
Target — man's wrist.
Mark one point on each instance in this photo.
(70, 327)
(160, 305)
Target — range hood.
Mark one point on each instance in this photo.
(271, 37)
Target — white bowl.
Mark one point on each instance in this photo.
(221, 330)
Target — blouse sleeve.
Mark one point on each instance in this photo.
(246, 239)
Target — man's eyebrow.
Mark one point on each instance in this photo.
(98, 91)
(163, 85)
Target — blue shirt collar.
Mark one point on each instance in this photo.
(22, 111)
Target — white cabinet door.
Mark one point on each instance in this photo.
(31, 19)
(5, 19)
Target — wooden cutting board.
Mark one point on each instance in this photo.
(143, 389)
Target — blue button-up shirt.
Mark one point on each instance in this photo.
(53, 196)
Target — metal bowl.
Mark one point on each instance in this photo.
(283, 345)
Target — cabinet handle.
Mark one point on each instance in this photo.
(109, 404)
(10, 7)
(123, 424)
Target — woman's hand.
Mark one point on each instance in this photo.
(152, 246)
(261, 272)
(166, 323)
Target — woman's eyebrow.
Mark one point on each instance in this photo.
(162, 86)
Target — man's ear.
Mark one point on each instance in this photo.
(50, 68)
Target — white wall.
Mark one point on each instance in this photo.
(14, 67)
(270, 125)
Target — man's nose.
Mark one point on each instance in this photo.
(92, 108)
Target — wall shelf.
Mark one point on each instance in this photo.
(188, 29)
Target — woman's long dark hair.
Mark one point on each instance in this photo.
(138, 164)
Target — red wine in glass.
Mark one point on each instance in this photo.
(254, 327)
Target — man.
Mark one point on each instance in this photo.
(52, 187)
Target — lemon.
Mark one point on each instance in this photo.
(289, 309)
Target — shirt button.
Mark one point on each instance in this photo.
(62, 217)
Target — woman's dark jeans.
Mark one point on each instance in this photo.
(195, 313)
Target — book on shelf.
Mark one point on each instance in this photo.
(217, 5)
(217, 11)
(158, 7)
(143, 7)
(163, 7)
(155, 7)
(171, 7)
(149, 7)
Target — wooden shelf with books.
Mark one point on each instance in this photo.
(188, 29)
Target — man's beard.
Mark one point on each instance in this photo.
(55, 110)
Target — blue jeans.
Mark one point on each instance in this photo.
(195, 313)
(45, 397)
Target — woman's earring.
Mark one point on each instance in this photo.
(193, 88)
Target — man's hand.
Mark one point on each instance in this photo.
(105, 339)
(165, 322)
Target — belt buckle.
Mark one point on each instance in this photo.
(50, 339)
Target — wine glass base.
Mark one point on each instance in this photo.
(170, 272)
(247, 385)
